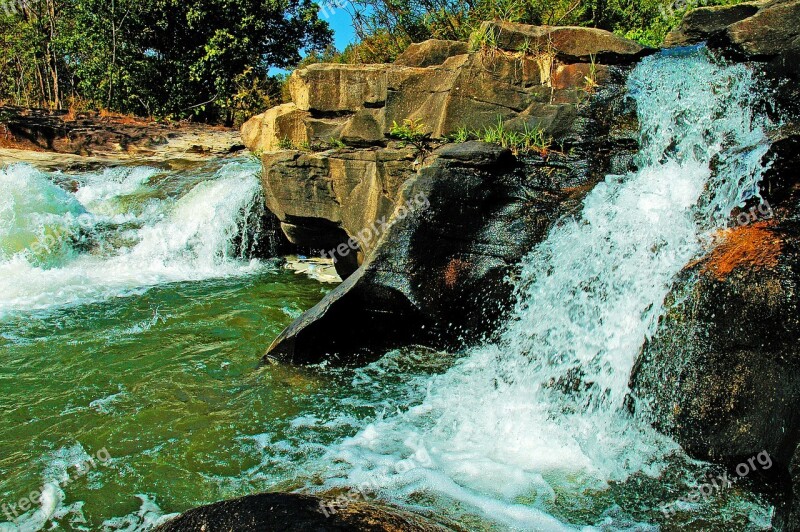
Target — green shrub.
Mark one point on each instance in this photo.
(412, 132)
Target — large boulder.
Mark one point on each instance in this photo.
(705, 23)
(567, 43)
(286, 512)
(767, 30)
(722, 375)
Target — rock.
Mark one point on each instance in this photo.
(438, 276)
(704, 23)
(768, 33)
(445, 87)
(107, 137)
(722, 375)
(430, 53)
(767, 30)
(337, 88)
(579, 74)
(447, 256)
(266, 131)
(568, 43)
(323, 200)
(302, 513)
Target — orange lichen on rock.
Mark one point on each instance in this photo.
(453, 271)
(754, 246)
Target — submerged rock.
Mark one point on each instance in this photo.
(301, 513)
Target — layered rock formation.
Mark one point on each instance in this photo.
(438, 275)
(525, 75)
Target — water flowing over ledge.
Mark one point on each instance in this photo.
(538, 416)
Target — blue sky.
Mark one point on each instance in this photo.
(342, 25)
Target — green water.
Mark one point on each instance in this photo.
(134, 309)
(135, 331)
(167, 382)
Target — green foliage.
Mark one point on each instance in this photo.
(336, 144)
(590, 80)
(531, 140)
(286, 144)
(202, 59)
(412, 132)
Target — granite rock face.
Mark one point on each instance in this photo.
(437, 254)
(530, 76)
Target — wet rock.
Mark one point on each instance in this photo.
(297, 513)
(706, 23)
(722, 374)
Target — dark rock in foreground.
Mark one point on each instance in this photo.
(276, 512)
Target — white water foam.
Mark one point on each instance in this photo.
(58, 248)
(538, 416)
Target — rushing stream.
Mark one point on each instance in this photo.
(133, 312)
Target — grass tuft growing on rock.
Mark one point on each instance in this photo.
(412, 132)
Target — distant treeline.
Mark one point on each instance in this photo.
(207, 59)
(211, 59)
(387, 27)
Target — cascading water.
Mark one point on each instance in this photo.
(529, 432)
(538, 417)
(122, 229)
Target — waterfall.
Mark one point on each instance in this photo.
(537, 416)
(74, 238)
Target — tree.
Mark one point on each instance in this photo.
(170, 58)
